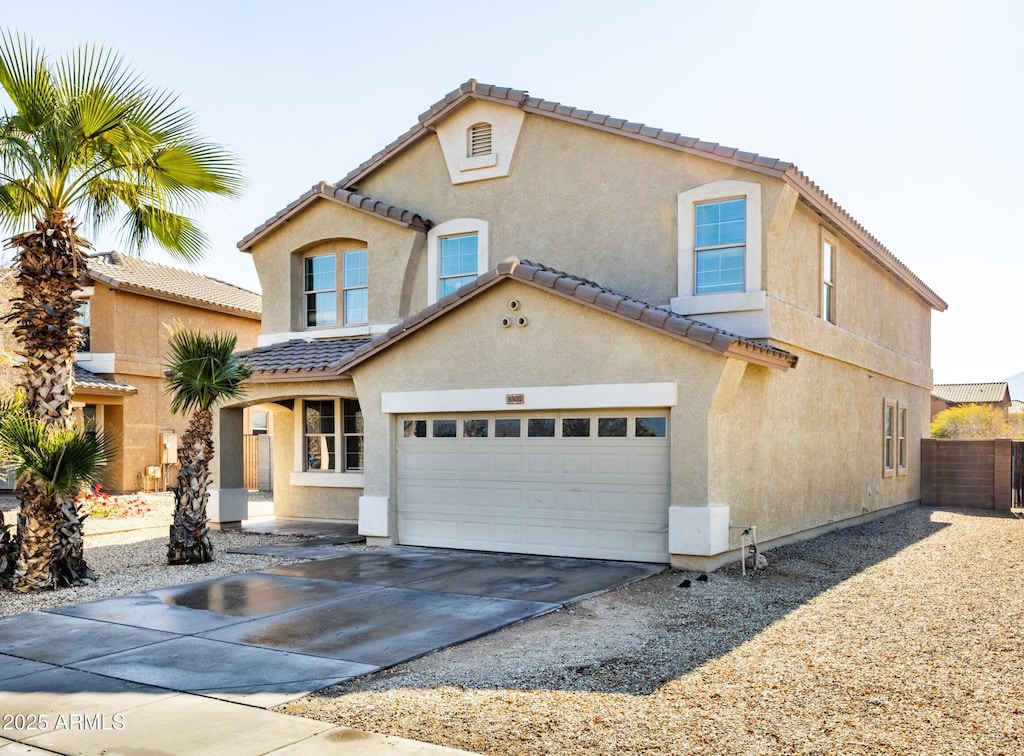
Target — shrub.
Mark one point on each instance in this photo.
(99, 503)
(971, 421)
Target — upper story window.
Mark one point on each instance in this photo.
(354, 286)
(457, 252)
(319, 286)
(84, 325)
(720, 239)
(828, 279)
(458, 262)
(478, 140)
(719, 256)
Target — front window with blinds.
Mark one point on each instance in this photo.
(720, 246)
(479, 140)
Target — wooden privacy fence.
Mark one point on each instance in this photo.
(969, 473)
(257, 458)
(1017, 472)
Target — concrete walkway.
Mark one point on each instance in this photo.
(194, 668)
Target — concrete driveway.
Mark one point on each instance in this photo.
(264, 638)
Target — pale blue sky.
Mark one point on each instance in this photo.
(907, 113)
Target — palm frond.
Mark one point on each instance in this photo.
(63, 459)
(203, 370)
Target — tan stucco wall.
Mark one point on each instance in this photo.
(395, 255)
(786, 451)
(134, 328)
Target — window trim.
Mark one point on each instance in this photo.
(687, 301)
(455, 227)
(827, 305)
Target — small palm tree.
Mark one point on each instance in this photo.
(89, 136)
(202, 370)
(53, 463)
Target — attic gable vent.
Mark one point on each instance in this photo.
(479, 139)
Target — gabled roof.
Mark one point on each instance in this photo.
(88, 380)
(302, 360)
(810, 192)
(965, 393)
(334, 193)
(134, 274)
(295, 360)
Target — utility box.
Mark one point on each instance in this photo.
(168, 448)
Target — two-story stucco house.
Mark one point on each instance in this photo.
(530, 328)
(127, 308)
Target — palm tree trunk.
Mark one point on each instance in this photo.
(37, 522)
(50, 263)
(189, 536)
(8, 553)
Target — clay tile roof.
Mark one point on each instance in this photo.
(128, 273)
(811, 192)
(965, 393)
(332, 358)
(334, 193)
(308, 358)
(86, 379)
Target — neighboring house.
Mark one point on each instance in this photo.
(119, 372)
(1016, 407)
(946, 395)
(530, 328)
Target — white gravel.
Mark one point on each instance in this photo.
(903, 636)
(129, 555)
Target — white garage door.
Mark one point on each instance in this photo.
(563, 484)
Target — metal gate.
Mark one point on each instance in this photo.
(1017, 472)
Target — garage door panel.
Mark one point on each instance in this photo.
(597, 497)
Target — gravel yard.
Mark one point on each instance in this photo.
(902, 636)
(129, 554)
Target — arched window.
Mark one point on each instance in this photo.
(479, 140)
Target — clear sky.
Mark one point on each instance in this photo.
(908, 113)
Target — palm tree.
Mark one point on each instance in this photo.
(202, 370)
(89, 136)
(53, 462)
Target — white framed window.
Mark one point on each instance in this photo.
(260, 421)
(84, 321)
(889, 438)
(355, 305)
(319, 286)
(457, 252)
(901, 439)
(828, 277)
(719, 248)
(322, 436)
(478, 139)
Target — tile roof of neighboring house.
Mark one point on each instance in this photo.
(821, 202)
(129, 273)
(86, 379)
(327, 191)
(965, 393)
(298, 359)
(1017, 406)
(327, 359)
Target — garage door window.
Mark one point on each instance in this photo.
(506, 428)
(576, 427)
(650, 427)
(611, 427)
(540, 427)
(445, 428)
(474, 429)
(414, 429)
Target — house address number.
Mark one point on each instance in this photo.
(515, 398)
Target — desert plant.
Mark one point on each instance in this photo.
(966, 421)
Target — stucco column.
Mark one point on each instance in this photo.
(698, 526)
(377, 518)
(229, 501)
